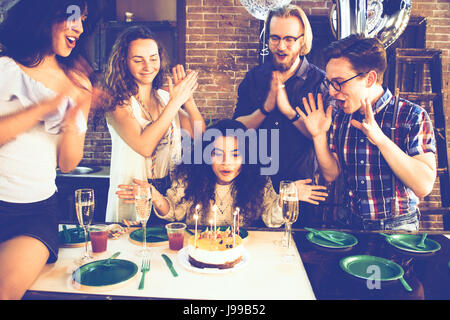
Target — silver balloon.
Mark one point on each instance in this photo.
(260, 8)
(384, 19)
(5, 5)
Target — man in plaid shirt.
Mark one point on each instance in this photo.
(361, 144)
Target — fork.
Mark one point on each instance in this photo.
(145, 267)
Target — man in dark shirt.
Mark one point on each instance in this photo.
(269, 93)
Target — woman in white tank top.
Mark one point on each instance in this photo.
(145, 121)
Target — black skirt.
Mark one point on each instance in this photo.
(37, 219)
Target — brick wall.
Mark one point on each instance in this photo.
(222, 44)
(437, 13)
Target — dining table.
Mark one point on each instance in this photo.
(314, 272)
(427, 273)
(264, 275)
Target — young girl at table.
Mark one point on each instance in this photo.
(144, 120)
(45, 95)
(229, 182)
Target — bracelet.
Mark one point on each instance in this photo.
(296, 117)
(263, 111)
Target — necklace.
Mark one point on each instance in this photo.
(219, 199)
(145, 109)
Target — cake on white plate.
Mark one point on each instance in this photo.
(220, 251)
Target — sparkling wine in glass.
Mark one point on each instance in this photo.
(84, 206)
(289, 208)
(284, 186)
(143, 206)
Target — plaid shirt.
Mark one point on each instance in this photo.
(367, 174)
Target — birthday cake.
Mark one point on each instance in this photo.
(219, 250)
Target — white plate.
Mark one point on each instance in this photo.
(183, 259)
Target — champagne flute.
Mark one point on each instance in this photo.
(143, 205)
(284, 185)
(289, 207)
(84, 206)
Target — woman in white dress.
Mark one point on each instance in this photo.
(44, 103)
(144, 121)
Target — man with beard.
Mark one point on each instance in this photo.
(269, 94)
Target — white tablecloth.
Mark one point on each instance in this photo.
(264, 277)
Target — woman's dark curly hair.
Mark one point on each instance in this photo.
(26, 32)
(248, 187)
(119, 84)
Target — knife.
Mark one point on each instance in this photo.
(66, 234)
(403, 243)
(325, 236)
(108, 261)
(169, 264)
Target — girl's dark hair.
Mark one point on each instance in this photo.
(248, 187)
(363, 53)
(119, 84)
(26, 32)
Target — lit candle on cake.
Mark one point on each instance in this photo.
(210, 227)
(197, 207)
(238, 219)
(210, 233)
(234, 228)
(215, 220)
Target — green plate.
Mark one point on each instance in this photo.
(153, 235)
(72, 236)
(348, 240)
(100, 274)
(430, 244)
(362, 266)
(242, 232)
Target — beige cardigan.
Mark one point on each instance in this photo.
(272, 215)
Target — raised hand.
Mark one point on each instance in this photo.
(369, 126)
(178, 73)
(51, 105)
(275, 85)
(282, 99)
(184, 86)
(316, 121)
(310, 193)
(82, 99)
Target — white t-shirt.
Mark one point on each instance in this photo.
(28, 162)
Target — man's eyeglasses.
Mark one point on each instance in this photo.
(288, 40)
(338, 85)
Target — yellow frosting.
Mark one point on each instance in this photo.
(224, 241)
